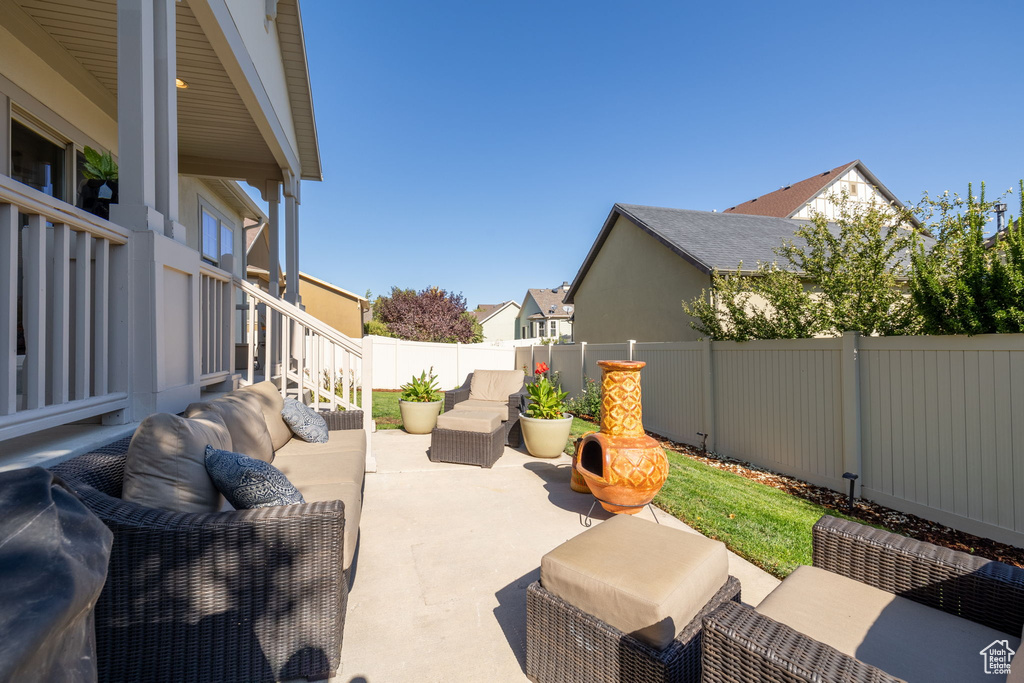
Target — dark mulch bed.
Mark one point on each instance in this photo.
(872, 513)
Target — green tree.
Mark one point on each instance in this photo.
(847, 274)
(478, 329)
(961, 286)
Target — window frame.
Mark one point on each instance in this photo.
(25, 119)
(205, 206)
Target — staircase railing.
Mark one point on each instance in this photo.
(305, 357)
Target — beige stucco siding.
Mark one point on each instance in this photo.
(30, 73)
(501, 326)
(261, 42)
(341, 312)
(634, 290)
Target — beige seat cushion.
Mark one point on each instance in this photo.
(643, 578)
(165, 466)
(495, 385)
(271, 403)
(499, 408)
(350, 494)
(483, 421)
(339, 460)
(899, 636)
(244, 419)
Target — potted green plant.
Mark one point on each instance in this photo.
(420, 403)
(545, 424)
(99, 190)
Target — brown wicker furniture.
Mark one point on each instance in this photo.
(655, 584)
(741, 644)
(241, 595)
(467, 438)
(511, 407)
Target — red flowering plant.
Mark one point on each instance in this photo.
(547, 402)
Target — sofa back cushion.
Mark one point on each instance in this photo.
(165, 466)
(243, 416)
(495, 385)
(271, 403)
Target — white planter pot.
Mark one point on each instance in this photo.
(545, 438)
(417, 417)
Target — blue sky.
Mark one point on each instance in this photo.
(479, 145)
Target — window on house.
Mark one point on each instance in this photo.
(552, 328)
(38, 161)
(218, 235)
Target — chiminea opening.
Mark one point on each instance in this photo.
(592, 458)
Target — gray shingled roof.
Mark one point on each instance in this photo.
(546, 298)
(706, 239)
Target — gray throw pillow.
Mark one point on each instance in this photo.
(249, 483)
(305, 423)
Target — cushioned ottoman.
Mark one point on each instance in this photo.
(467, 437)
(623, 601)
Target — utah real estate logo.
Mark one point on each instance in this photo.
(997, 657)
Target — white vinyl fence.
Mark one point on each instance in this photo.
(395, 361)
(933, 426)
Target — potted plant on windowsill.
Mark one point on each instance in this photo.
(420, 403)
(99, 190)
(545, 424)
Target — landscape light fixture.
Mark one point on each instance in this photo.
(853, 480)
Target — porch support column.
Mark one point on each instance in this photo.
(291, 226)
(136, 118)
(273, 197)
(166, 113)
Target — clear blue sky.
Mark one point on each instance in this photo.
(479, 145)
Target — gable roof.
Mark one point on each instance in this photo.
(485, 312)
(789, 200)
(707, 240)
(546, 298)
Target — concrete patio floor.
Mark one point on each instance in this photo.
(445, 555)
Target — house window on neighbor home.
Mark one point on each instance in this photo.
(552, 329)
(218, 236)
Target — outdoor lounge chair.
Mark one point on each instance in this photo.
(502, 391)
(891, 608)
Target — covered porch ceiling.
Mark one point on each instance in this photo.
(218, 135)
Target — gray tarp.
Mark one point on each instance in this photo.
(53, 563)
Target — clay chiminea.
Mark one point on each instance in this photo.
(623, 467)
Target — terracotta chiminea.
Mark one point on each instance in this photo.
(623, 467)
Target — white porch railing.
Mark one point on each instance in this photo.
(58, 334)
(303, 354)
(216, 323)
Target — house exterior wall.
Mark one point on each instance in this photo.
(634, 290)
(341, 312)
(854, 182)
(502, 326)
(262, 44)
(28, 71)
(192, 193)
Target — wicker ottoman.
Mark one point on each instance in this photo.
(467, 437)
(624, 601)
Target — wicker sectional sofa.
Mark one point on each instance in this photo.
(236, 595)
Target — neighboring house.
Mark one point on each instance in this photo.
(544, 313)
(339, 308)
(801, 199)
(647, 260)
(114, 318)
(498, 320)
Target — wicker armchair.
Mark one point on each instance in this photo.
(513, 430)
(742, 645)
(245, 595)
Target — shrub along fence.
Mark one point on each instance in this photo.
(933, 426)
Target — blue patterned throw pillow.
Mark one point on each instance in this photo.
(305, 423)
(249, 483)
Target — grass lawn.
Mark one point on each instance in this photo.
(770, 528)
